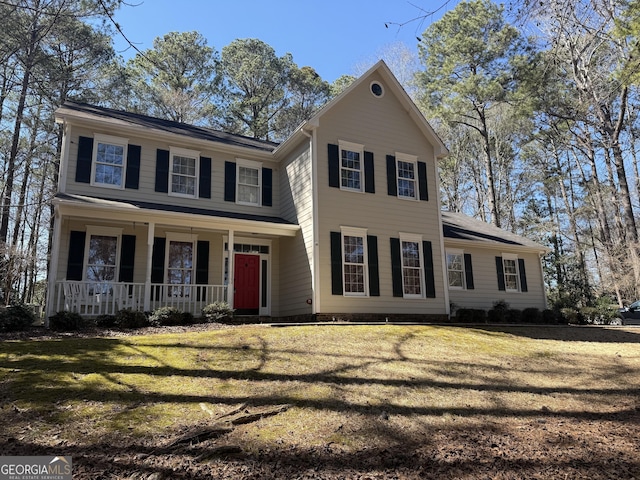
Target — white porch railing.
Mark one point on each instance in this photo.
(92, 299)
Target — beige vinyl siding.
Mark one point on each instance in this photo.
(384, 128)
(485, 279)
(297, 258)
(146, 190)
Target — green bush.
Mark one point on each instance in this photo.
(552, 317)
(170, 316)
(128, 318)
(532, 316)
(65, 321)
(599, 315)
(499, 313)
(572, 316)
(471, 315)
(106, 321)
(217, 311)
(16, 318)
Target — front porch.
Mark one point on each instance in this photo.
(107, 298)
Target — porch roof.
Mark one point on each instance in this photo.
(134, 210)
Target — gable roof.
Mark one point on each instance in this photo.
(396, 89)
(458, 226)
(83, 110)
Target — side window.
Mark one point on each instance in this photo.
(412, 266)
(455, 269)
(407, 176)
(354, 261)
(510, 265)
(183, 172)
(512, 275)
(109, 161)
(351, 166)
(249, 182)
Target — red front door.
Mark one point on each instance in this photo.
(246, 299)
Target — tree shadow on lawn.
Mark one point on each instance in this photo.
(569, 333)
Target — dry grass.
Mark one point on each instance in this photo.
(450, 396)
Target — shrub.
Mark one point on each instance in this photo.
(16, 318)
(513, 316)
(531, 315)
(499, 312)
(65, 321)
(128, 318)
(599, 315)
(217, 311)
(571, 315)
(170, 316)
(471, 315)
(106, 321)
(552, 317)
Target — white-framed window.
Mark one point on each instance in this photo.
(354, 261)
(407, 176)
(412, 265)
(455, 269)
(351, 166)
(183, 172)
(511, 273)
(109, 161)
(180, 261)
(101, 258)
(249, 182)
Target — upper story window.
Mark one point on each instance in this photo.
(109, 157)
(351, 166)
(455, 268)
(412, 265)
(407, 172)
(354, 261)
(183, 172)
(249, 177)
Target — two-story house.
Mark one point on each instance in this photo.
(340, 221)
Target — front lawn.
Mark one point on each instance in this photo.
(334, 401)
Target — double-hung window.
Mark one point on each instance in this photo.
(249, 175)
(407, 171)
(354, 261)
(180, 264)
(351, 166)
(101, 258)
(510, 265)
(455, 269)
(109, 157)
(184, 172)
(412, 265)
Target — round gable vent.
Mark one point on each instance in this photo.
(376, 89)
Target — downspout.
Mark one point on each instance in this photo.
(544, 290)
(443, 257)
(315, 281)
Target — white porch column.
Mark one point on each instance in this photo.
(53, 267)
(147, 278)
(231, 273)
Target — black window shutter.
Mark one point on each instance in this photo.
(157, 259)
(336, 263)
(202, 269)
(229, 181)
(392, 181)
(369, 177)
(334, 165)
(429, 280)
(500, 273)
(85, 155)
(132, 179)
(267, 187)
(204, 187)
(396, 267)
(162, 171)
(468, 271)
(127, 258)
(374, 275)
(75, 261)
(523, 275)
(422, 181)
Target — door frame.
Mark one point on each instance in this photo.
(265, 290)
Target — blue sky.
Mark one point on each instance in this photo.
(331, 36)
